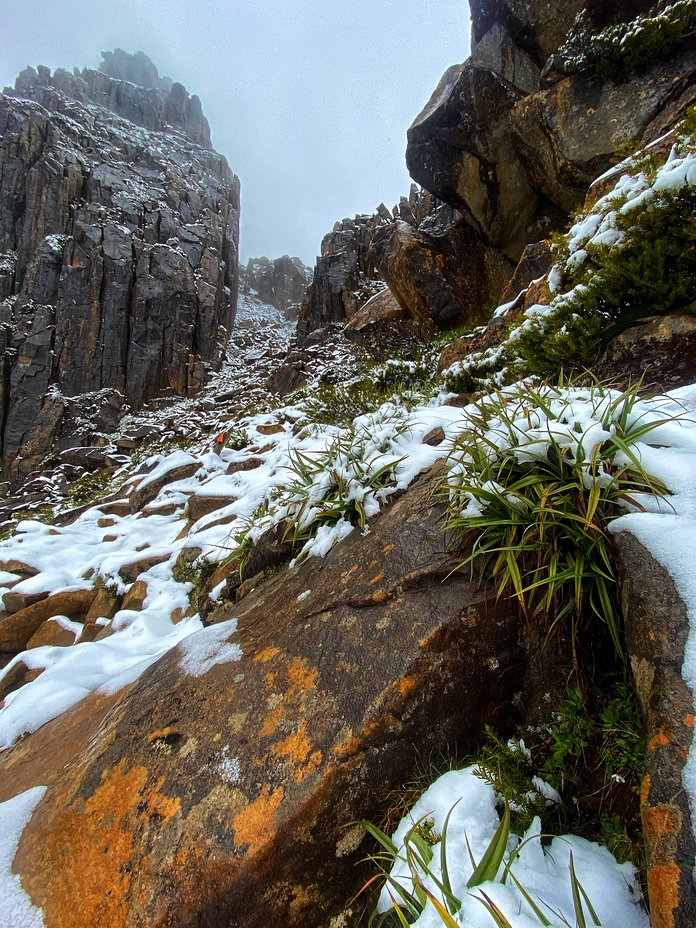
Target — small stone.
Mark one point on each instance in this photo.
(135, 597)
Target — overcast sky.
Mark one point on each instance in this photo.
(309, 100)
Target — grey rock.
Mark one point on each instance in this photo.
(118, 243)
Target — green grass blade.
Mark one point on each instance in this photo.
(577, 902)
(491, 860)
(493, 910)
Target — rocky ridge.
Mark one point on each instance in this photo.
(281, 282)
(119, 234)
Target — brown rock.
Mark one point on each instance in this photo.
(142, 495)
(17, 629)
(134, 598)
(51, 632)
(235, 467)
(13, 679)
(13, 566)
(200, 505)
(443, 279)
(104, 606)
(659, 349)
(461, 148)
(566, 136)
(222, 798)
(381, 309)
(657, 628)
(272, 428)
(15, 601)
(130, 572)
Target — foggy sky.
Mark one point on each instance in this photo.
(309, 100)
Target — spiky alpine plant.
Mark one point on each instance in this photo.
(531, 487)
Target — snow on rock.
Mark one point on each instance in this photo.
(16, 910)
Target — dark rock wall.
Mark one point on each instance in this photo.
(119, 233)
(281, 283)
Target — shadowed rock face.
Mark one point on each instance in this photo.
(218, 793)
(540, 26)
(118, 245)
(281, 283)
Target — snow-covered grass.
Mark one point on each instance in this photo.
(629, 255)
(453, 863)
(534, 481)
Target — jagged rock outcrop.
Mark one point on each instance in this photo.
(346, 276)
(513, 159)
(118, 245)
(281, 283)
(438, 277)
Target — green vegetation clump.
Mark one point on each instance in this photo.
(626, 48)
(530, 504)
(652, 271)
(90, 487)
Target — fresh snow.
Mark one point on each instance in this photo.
(16, 910)
(543, 872)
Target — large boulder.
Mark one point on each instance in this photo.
(444, 279)
(567, 135)
(218, 789)
(461, 148)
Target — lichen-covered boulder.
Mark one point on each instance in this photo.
(657, 628)
(219, 788)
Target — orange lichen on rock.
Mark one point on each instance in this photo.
(660, 822)
(254, 825)
(90, 844)
(661, 739)
(376, 578)
(663, 888)
(263, 657)
(690, 720)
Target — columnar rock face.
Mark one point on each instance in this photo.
(281, 283)
(118, 244)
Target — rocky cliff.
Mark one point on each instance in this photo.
(510, 142)
(118, 245)
(281, 283)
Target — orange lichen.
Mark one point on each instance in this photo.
(376, 578)
(663, 889)
(254, 825)
(660, 822)
(407, 686)
(661, 739)
(387, 549)
(301, 676)
(273, 720)
(689, 720)
(160, 733)
(90, 842)
(645, 789)
(263, 657)
(295, 747)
